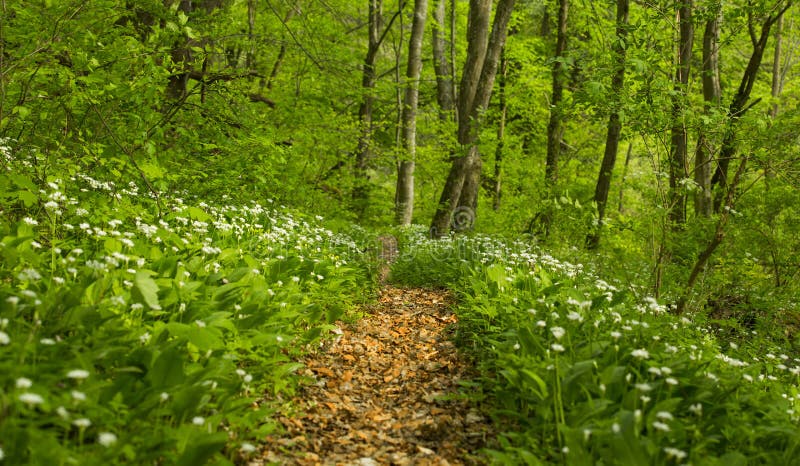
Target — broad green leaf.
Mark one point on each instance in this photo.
(201, 448)
(167, 370)
(147, 289)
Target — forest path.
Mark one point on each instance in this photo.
(386, 392)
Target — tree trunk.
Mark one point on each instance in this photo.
(368, 79)
(555, 127)
(777, 85)
(181, 55)
(738, 106)
(250, 60)
(614, 130)
(714, 242)
(405, 175)
(678, 170)
(712, 95)
(501, 133)
(282, 51)
(477, 81)
(621, 205)
(777, 73)
(441, 64)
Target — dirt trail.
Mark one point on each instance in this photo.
(384, 392)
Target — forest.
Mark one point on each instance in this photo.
(399, 232)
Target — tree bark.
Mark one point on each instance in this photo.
(405, 175)
(621, 205)
(777, 74)
(614, 129)
(368, 78)
(282, 51)
(555, 127)
(444, 79)
(501, 133)
(181, 55)
(678, 170)
(712, 95)
(365, 109)
(777, 85)
(477, 81)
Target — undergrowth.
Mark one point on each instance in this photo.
(144, 332)
(596, 373)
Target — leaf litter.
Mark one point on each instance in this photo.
(389, 389)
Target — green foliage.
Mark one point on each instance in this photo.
(132, 338)
(586, 372)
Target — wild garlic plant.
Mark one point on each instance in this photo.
(588, 371)
(126, 336)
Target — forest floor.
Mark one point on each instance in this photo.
(388, 390)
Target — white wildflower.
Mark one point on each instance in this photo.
(661, 426)
(665, 415)
(31, 398)
(675, 453)
(23, 382)
(82, 423)
(78, 374)
(106, 439)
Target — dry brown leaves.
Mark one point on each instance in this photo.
(381, 390)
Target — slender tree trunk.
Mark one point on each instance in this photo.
(614, 129)
(454, 78)
(441, 64)
(405, 175)
(477, 81)
(282, 51)
(712, 95)
(468, 200)
(368, 79)
(501, 132)
(181, 55)
(678, 168)
(739, 107)
(544, 27)
(399, 86)
(714, 242)
(777, 85)
(250, 59)
(555, 127)
(621, 205)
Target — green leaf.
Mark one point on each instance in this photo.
(167, 370)
(534, 381)
(200, 448)
(198, 214)
(28, 198)
(147, 289)
(203, 338)
(21, 111)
